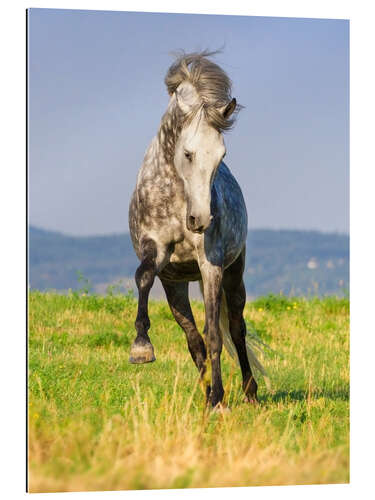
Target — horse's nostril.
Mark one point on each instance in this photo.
(193, 222)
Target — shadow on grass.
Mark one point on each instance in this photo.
(302, 395)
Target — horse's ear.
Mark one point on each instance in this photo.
(228, 109)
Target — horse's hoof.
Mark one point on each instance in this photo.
(142, 353)
(251, 400)
(221, 408)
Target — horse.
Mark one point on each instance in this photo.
(188, 222)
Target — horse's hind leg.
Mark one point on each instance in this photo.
(235, 294)
(178, 300)
(142, 350)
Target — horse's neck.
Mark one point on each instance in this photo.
(156, 169)
(159, 158)
(169, 130)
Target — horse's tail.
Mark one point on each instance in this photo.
(251, 344)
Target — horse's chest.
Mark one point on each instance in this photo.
(160, 204)
(183, 252)
(183, 265)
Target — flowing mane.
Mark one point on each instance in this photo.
(210, 82)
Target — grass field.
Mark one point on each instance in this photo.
(97, 422)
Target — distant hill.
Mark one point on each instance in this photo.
(292, 262)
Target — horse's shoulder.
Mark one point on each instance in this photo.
(225, 180)
(224, 170)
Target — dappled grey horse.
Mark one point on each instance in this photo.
(188, 222)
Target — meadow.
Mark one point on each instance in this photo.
(97, 422)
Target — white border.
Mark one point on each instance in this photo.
(12, 198)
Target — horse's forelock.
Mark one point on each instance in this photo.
(210, 81)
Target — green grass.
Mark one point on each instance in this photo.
(97, 422)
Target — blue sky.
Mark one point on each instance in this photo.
(96, 96)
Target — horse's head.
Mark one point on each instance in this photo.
(198, 152)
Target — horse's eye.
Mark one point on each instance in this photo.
(188, 155)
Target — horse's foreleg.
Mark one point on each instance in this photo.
(212, 279)
(235, 293)
(178, 300)
(142, 350)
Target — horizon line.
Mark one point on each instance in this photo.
(106, 235)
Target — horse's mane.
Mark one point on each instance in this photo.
(211, 83)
